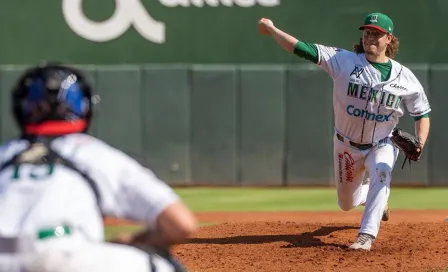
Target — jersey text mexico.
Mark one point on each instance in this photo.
(366, 108)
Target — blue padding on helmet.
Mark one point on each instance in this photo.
(73, 97)
(70, 94)
(36, 94)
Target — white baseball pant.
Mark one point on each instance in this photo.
(350, 166)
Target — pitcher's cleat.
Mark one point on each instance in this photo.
(386, 213)
(364, 242)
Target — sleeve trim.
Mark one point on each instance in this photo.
(296, 49)
(417, 114)
(319, 60)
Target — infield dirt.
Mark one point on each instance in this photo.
(314, 241)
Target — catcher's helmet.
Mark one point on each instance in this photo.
(52, 99)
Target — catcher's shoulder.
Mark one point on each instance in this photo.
(90, 148)
(11, 147)
(88, 144)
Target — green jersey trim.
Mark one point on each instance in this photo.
(307, 51)
(426, 115)
(384, 68)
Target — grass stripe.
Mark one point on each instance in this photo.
(300, 199)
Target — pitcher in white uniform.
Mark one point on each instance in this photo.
(371, 91)
(57, 183)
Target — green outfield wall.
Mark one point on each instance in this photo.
(190, 88)
(204, 31)
(236, 124)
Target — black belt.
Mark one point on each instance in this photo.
(359, 146)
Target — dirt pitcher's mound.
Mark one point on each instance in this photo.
(283, 245)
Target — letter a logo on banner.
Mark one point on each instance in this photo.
(127, 13)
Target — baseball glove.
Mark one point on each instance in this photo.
(408, 144)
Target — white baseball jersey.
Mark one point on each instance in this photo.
(367, 109)
(35, 197)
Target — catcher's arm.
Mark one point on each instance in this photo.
(422, 129)
(174, 225)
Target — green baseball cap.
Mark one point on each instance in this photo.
(379, 21)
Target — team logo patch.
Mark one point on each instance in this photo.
(347, 160)
(357, 71)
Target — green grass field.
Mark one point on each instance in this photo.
(300, 199)
(293, 199)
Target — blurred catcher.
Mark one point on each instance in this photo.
(57, 183)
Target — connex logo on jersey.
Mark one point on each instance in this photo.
(357, 71)
(396, 86)
(365, 114)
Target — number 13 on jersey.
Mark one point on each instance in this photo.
(33, 172)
